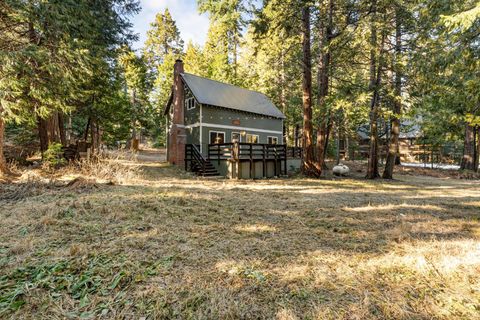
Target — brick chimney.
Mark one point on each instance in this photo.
(176, 145)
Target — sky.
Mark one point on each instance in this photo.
(191, 24)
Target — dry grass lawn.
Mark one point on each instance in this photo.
(164, 244)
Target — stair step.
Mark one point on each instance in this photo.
(205, 169)
(209, 170)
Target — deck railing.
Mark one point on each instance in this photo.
(251, 152)
(255, 151)
(294, 152)
(246, 151)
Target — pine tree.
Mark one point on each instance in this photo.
(138, 86)
(162, 47)
(393, 147)
(223, 40)
(50, 57)
(163, 39)
(309, 168)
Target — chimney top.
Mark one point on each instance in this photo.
(178, 61)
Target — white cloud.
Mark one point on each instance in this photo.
(191, 24)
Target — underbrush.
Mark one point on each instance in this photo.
(86, 175)
(104, 168)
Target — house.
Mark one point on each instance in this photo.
(410, 134)
(413, 145)
(209, 120)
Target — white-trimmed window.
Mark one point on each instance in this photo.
(217, 137)
(252, 138)
(236, 136)
(272, 140)
(190, 103)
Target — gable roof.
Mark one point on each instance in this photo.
(225, 95)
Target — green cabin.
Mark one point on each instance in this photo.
(212, 118)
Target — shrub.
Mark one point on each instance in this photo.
(53, 157)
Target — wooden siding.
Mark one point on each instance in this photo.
(191, 116)
(229, 121)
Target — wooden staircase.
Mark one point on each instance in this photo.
(195, 162)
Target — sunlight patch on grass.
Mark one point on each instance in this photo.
(231, 267)
(386, 207)
(296, 272)
(472, 203)
(254, 228)
(285, 314)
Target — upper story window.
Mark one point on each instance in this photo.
(190, 103)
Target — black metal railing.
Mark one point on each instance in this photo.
(194, 159)
(246, 151)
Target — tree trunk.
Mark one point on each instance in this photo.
(49, 131)
(393, 147)
(99, 137)
(375, 81)
(337, 137)
(325, 34)
(93, 137)
(53, 128)
(61, 129)
(69, 130)
(347, 146)
(398, 161)
(85, 136)
(42, 134)
(308, 166)
(283, 102)
(327, 140)
(468, 160)
(296, 135)
(477, 154)
(3, 162)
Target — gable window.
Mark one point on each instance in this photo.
(190, 103)
(236, 136)
(272, 140)
(217, 137)
(252, 138)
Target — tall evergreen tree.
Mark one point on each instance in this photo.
(163, 39)
(162, 47)
(309, 168)
(138, 86)
(223, 40)
(50, 54)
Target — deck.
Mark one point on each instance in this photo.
(260, 160)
